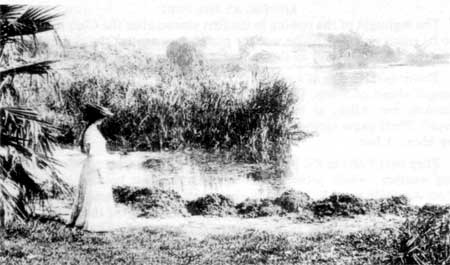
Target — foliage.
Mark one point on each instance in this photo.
(425, 239)
(170, 111)
(183, 54)
(212, 204)
(293, 201)
(422, 58)
(398, 205)
(290, 204)
(252, 208)
(26, 140)
(339, 205)
(151, 202)
(351, 50)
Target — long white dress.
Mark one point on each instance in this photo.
(94, 208)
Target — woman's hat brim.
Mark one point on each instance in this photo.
(97, 109)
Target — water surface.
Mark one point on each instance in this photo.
(379, 131)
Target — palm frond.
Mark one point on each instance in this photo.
(11, 202)
(10, 11)
(37, 68)
(29, 170)
(26, 141)
(23, 128)
(32, 21)
(16, 171)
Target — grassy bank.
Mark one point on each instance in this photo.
(345, 230)
(51, 243)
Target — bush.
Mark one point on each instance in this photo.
(347, 205)
(426, 238)
(397, 205)
(182, 53)
(293, 201)
(212, 204)
(151, 202)
(258, 208)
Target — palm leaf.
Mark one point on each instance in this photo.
(22, 128)
(32, 21)
(10, 11)
(27, 161)
(26, 141)
(37, 68)
(11, 203)
(16, 172)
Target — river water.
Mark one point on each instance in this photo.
(378, 132)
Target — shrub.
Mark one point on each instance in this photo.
(397, 205)
(339, 205)
(252, 208)
(293, 201)
(212, 204)
(182, 53)
(151, 202)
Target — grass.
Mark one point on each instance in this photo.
(49, 242)
(412, 237)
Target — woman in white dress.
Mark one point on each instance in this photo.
(94, 208)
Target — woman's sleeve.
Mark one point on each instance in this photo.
(86, 142)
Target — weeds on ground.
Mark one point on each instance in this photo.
(147, 246)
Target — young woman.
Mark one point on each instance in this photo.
(94, 208)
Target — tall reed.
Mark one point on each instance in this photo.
(156, 107)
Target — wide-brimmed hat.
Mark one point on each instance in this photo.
(94, 111)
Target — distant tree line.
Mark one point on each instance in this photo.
(351, 50)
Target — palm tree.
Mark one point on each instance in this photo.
(26, 140)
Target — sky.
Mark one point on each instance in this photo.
(398, 22)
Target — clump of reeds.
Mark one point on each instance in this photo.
(158, 108)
